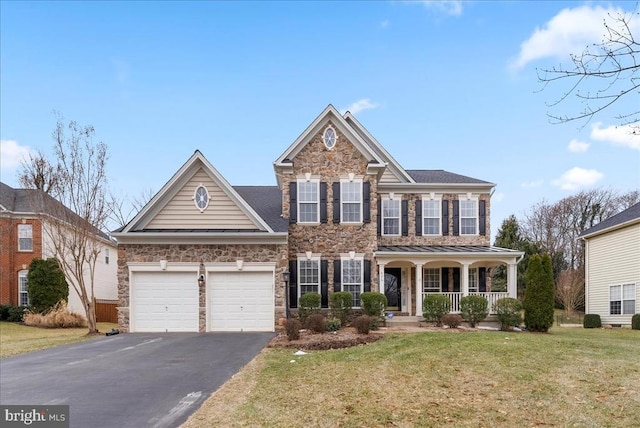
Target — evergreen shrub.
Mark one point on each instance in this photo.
(591, 321)
(435, 306)
(474, 309)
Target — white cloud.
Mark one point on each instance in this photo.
(617, 135)
(12, 153)
(532, 184)
(358, 106)
(449, 7)
(570, 31)
(576, 146)
(577, 178)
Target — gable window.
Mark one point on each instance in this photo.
(23, 292)
(329, 137)
(309, 276)
(468, 217)
(622, 299)
(431, 216)
(352, 280)
(201, 197)
(351, 201)
(391, 217)
(431, 280)
(308, 201)
(474, 283)
(25, 237)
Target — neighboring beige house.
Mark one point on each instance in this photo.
(204, 255)
(612, 264)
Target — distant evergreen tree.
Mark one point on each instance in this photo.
(46, 284)
(539, 297)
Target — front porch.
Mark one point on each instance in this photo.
(491, 297)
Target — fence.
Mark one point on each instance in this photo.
(106, 310)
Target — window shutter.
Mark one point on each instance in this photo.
(482, 210)
(456, 280)
(456, 218)
(366, 202)
(337, 275)
(379, 216)
(404, 220)
(293, 202)
(324, 280)
(323, 202)
(367, 275)
(482, 279)
(419, 217)
(445, 280)
(445, 217)
(293, 283)
(336, 202)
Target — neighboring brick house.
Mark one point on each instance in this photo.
(612, 267)
(345, 216)
(24, 237)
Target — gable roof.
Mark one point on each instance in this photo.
(267, 202)
(439, 176)
(624, 218)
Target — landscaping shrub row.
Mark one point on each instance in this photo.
(12, 313)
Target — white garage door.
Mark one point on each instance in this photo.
(241, 301)
(164, 301)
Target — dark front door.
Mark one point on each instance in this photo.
(392, 286)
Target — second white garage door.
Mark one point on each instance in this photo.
(241, 301)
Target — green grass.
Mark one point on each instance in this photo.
(568, 377)
(18, 339)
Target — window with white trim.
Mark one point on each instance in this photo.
(25, 237)
(351, 201)
(329, 137)
(308, 201)
(23, 291)
(431, 216)
(431, 280)
(622, 299)
(474, 283)
(391, 217)
(352, 279)
(308, 276)
(201, 197)
(468, 217)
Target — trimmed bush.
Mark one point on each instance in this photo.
(340, 305)
(308, 305)
(374, 304)
(362, 324)
(292, 327)
(46, 285)
(591, 321)
(635, 322)
(317, 323)
(539, 297)
(333, 324)
(451, 320)
(16, 313)
(4, 312)
(507, 311)
(435, 306)
(56, 317)
(474, 309)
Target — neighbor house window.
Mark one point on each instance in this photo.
(622, 299)
(23, 292)
(308, 276)
(106, 256)
(25, 237)
(468, 217)
(308, 201)
(431, 280)
(351, 200)
(391, 217)
(473, 280)
(352, 280)
(431, 216)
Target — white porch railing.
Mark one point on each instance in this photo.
(455, 298)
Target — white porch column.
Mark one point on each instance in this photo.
(407, 290)
(381, 278)
(512, 280)
(465, 279)
(418, 290)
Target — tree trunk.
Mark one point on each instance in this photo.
(91, 319)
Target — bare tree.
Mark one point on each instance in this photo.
(123, 209)
(613, 65)
(570, 290)
(38, 173)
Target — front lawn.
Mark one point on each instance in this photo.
(18, 339)
(568, 377)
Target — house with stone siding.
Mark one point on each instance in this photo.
(204, 255)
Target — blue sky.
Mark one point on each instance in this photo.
(442, 85)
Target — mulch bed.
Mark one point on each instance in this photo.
(343, 338)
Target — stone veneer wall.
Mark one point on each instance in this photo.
(207, 254)
(330, 239)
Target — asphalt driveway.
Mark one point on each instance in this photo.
(129, 380)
